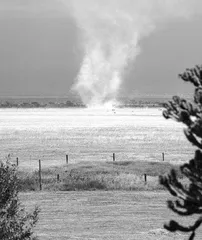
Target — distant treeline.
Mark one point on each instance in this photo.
(67, 104)
(70, 104)
(142, 104)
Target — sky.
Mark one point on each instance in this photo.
(40, 53)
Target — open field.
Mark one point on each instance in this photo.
(102, 215)
(90, 135)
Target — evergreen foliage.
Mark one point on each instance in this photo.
(15, 222)
(188, 197)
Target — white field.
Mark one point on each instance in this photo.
(90, 135)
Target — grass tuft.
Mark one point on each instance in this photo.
(97, 176)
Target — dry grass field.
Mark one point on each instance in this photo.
(111, 215)
(90, 135)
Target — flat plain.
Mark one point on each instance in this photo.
(90, 135)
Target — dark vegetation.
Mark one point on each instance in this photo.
(97, 176)
(67, 104)
(129, 103)
(188, 197)
(15, 222)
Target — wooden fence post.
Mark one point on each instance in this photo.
(40, 184)
(114, 157)
(17, 161)
(163, 156)
(67, 159)
(145, 178)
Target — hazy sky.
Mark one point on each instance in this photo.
(40, 52)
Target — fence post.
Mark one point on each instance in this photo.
(67, 159)
(114, 157)
(40, 184)
(17, 162)
(163, 156)
(58, 177)
(145, 178)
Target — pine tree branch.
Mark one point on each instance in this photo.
(188, 197)
(173, 226)
(192, 75)
(190, 136)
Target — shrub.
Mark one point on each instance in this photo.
(15, 222)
